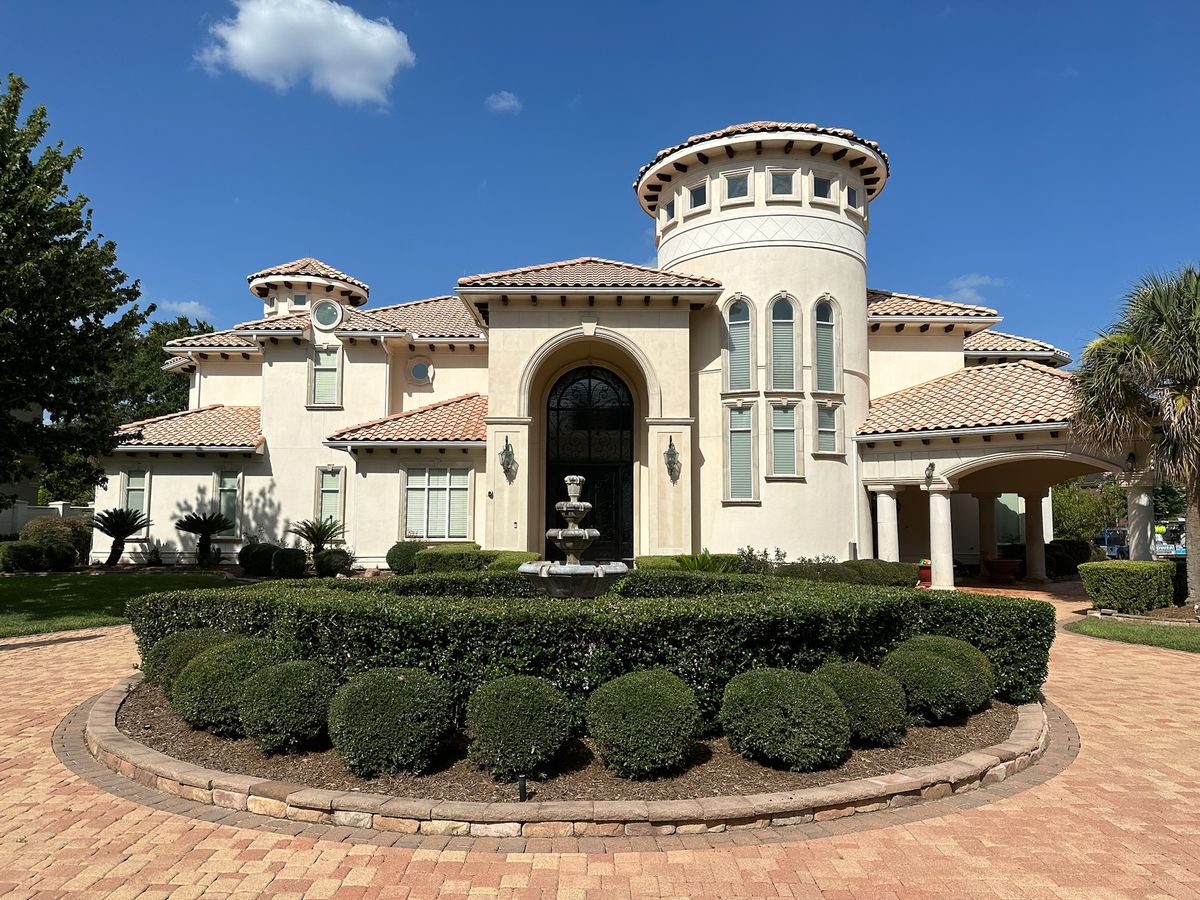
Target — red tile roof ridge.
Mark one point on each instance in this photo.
(466, 280)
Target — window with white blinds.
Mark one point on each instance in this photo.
(329, 494)
(739, 346)
(135, 491)
(783, 346)
(437, 503)
(783, 440)
(325, 376)
(227, 499)
(741, 454)
(827, 436)
(826, 340)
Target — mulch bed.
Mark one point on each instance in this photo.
(715, 770)
(1185, 613)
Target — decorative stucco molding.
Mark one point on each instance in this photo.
(762, 231)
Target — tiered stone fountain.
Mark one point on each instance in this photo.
(573, 578)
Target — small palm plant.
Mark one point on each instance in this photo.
(318, 532)
(119, 525)
(205, 526)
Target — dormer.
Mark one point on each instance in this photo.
(303, 286)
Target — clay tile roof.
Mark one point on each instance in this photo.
(213, 339)
(458, 419)
(998, 342)
(208, 426)
(309, 265)
(763, 127)
(436, 317)
(890, 303)
(588, 272)
(1013, 393)
(290, 322)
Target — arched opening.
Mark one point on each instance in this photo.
(590, 432)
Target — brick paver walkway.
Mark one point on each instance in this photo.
(1121, 820)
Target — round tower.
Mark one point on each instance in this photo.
(779, 213)
(302, 285)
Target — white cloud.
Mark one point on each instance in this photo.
(503, 102)
(281, 42)
(965, 288)
(192, 308)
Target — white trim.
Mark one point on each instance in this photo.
(316, 323)
(959, 432)
(695, 209)
(727, 474)
(747, 173)
(797, 192)
(341, 473)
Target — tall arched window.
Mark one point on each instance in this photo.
(826, 341)
(740, 368)
(783, 345)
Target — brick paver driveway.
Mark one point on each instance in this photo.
(1121, 820)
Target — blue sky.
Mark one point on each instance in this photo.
(1041, 152)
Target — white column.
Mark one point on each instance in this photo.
(941, 538)
(887, 523)
(987, 525)
(1048, 516)
(1140, 505)
(1035, 540)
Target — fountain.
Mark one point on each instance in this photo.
(573, 578)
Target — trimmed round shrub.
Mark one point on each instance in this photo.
(517, 725)
(657, 562)
(58, 555)
(1079, 551)
(644, 723)
(964, 654)
(389, 720)
(1059, 562)
(205, 693)
(455, 557)
(22, 556)
(1129, 586)
(936, 687)
(329, 563)
(286, 706)
(402, 558)
(883, 572)
(255, 559)
(785, 718)
(75, 531)
(167, 658)
(288, 562)
(511, 560)
(874, 702)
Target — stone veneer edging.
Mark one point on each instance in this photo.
(555, 818)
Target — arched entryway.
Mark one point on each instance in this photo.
(590, 432)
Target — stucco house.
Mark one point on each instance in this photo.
(749, 390)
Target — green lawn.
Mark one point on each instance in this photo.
(35, 604)
(1172, 637)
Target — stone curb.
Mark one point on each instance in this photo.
(574, 818)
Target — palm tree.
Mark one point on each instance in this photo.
(120, 525)
(1140, 382)
(204, 526)
(318, 532)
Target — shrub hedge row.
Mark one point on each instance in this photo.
(854, 571)
(705, 628)
(1127, 586)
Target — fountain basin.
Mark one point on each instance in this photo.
(564, 580)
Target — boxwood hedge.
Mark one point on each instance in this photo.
(1129, 586)
(475, 628)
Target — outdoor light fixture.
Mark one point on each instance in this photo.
(671, 456)
(929, 471)
(508, 461)
(1131, 462)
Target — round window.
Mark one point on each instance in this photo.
(420, 372)
(327, 313)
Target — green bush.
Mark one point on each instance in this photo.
(391, 720)
(827, 572)
(936, 687)
(206, 692)
(167, 658)
(644, 723)
(1127, 586)
(452, 558)
(517, 725)
(288, 562)
(474, 627)
(965, 655)
(1079, 551)
(286, 706)
(58, 555)
(1059, 562)
(333, 561)
(874, 702)
(511, 560)
(708, 562)
(75, 531)
(657, 562)
(401, 559)
(255, 559)
(785, 718)
(883, 572)
(22, 556)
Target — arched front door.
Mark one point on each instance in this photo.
(589, 432)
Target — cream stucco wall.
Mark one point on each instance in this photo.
(229, 382)
(455, 372)
(911, 357)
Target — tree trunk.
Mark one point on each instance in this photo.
(203, 549)
(1193, 537)
(114, 553)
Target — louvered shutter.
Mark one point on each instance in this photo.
(827, 429)
(331, 491)
(783, 364)
(414, 507)
(325, 378)
(439, 489)
(460, 512)
(783, 440)
(741, 460)
(739, 356)
(825, 361)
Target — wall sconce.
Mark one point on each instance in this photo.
(671, 457)
(1131, 462)
(929, 469)
(508, 462)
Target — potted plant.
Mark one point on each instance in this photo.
(925, 572)
(1000, 571)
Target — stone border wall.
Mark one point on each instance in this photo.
(579, 818)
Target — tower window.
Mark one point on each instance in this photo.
(852, 197)
(737, 187)
(827, 429)
(299, 299)
(783, 184)
(698, 195)
(668, 211)
(740, 436)
(739, 377)
(783, 345)
(826, 340)
(822, 188)
(783, 440)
